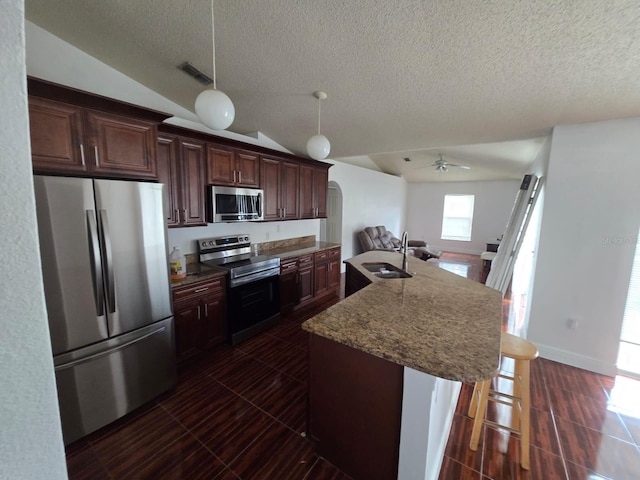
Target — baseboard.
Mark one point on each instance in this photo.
(577, 360)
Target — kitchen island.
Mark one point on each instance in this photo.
(386, 365)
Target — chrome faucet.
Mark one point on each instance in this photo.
(403, 248)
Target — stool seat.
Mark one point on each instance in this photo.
(522, 352)
(517, 347)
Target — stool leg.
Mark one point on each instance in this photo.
(480, 413)
(474, 400)
(525, 395)
(517, 393)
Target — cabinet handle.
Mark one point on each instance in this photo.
(198, 312)
(82, 155)
(234, 176)
(239, 176)
(176, 214)
(284, 212)
(201, 290)
(95, 149)
(184, 215)
(206, 310)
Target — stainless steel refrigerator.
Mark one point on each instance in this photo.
(106, 280)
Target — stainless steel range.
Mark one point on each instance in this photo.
(253, 284)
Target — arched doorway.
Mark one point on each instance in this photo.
(331, 227)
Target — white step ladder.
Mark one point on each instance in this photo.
(502, 266)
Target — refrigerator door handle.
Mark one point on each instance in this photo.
(96, 264)
(109, 351)
(108, 261)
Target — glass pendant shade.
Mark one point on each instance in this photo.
(215, 109)
(318, 147)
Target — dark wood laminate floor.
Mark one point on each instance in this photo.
(240, 414)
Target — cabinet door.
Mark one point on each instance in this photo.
(305, 282)
(290, 173)
(168, 174)
(270, 177)
(288, 284)
(334, 273)
(214, 325)
(247, 169)
(220, 165)
(322, 278)
(121, 146)
(56, 137)
(320, 190)
(187, 317)
(193, 182)
(307, 207)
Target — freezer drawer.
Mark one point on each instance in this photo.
(103, 382)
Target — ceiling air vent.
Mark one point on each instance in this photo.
(195, 73)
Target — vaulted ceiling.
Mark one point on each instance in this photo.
(405, 78)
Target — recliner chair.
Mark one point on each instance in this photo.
(379, 238)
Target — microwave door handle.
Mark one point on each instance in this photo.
(259, 205)
(96, 264)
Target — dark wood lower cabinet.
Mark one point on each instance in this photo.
(200, 315)
(355, 409)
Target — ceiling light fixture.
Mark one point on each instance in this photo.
(318, 146)
(213, 107)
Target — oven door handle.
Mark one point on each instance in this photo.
(236, 282)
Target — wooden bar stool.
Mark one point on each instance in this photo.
(522, 351)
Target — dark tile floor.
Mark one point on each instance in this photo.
(240, 414)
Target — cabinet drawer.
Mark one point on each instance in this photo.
(305, 261)
(322, 256)
(334, 252)
(205, 287)
(288, 266)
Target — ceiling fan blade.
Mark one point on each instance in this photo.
(459, 166)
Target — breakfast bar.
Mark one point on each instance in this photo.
(386, 364)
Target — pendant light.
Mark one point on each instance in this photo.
(213, 107)
(318, 146)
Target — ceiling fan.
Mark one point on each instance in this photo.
(443, 166)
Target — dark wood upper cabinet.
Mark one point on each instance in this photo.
(168, 173)
(120, 145)
(57, 133)
(182, 168)
(313, 191)
(74, 132)
(280, 180)
(229, 166)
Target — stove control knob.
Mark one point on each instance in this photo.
(204, 244)
(246, 239)
(211, 243)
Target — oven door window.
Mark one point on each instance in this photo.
(253, 302)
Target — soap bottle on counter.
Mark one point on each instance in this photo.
(177, 265)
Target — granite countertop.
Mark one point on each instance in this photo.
(435, 322)
(199, 271)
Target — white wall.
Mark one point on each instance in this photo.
(369, 198)
(30, 435)
(588, 236)
(492, 208)
(53, 59)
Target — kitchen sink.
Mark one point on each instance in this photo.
(386, 270)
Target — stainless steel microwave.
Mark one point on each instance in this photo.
(232, 204)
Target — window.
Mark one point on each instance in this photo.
(629, 352)
(457, 217)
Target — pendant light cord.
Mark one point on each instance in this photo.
(319, 102)
(213, 45)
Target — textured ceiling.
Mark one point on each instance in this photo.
(402, 76)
